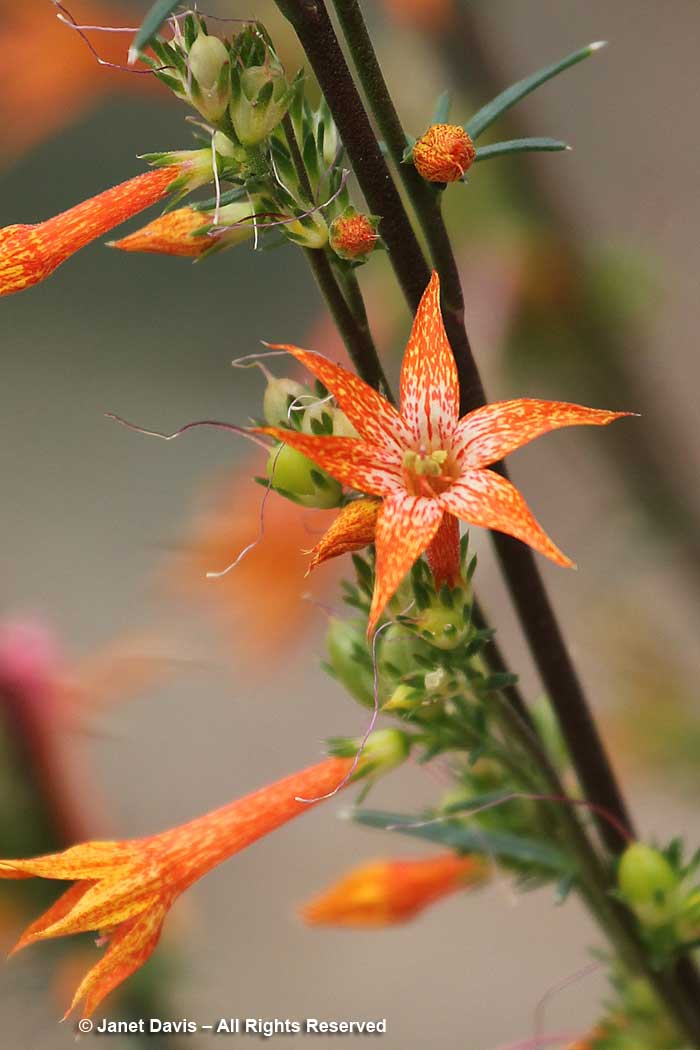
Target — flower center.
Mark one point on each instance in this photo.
(428, 473)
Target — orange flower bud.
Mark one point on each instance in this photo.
(174, 233)
(352, 530)
(389, 892)
(30, 253)
(354, 236)
(444, 153)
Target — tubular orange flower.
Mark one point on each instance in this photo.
(427, 463)
(444, 153)
(30, 253)
(124, 889)
(353, 529)
(388, 892)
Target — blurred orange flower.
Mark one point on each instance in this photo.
(50, 78)
(125, 889)
(276, 534)
(431, 15)
(388, 892)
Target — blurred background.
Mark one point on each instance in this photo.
(134, 694)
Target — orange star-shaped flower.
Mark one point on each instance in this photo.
(124, 889)
(429, 465)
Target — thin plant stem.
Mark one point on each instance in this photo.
(520, 570)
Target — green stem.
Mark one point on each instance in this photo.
(520, 570)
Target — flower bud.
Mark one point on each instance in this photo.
(185, 232)
(443, 626)
(444, 153)
(309, 232)
(383, 750)
(348, 658)
(261, 100)
(279, 395)
(295, 476)
(317, 417)
(342, 427)
(354, 236)
(648, 884)
(210, 87)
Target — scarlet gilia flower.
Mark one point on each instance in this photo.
(30, 253)
(444, 153)
(124, 889)
(389, 892)
(192, 234)
(354, 236)
(428, 465)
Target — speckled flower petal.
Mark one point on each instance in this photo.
(429, 383)
(405, 527)
(351, 461)
(482, 497)
(374, 418)
(352, 529)
(490, 433)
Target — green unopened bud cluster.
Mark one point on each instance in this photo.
(663, 894)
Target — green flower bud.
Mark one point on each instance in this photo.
(442, 626)
(210, 90)
(648, 884)
(404, 698)
(348, 657)
(382, 751)
(342, 427)
(318, 417)
(298, 478)
(309, 232)
(261, 100)
(279, 394)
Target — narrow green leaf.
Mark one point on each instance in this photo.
(442, 108)
(493, 110)
(158, 13)
(469, 839)
(500, 149)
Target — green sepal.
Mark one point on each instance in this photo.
(533, 145)
(497, 106)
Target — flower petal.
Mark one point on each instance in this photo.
(405, 527)
(353, 529)
(89, 860)
(429, 383)
(493, 431)
(129, 948)
(60, 908)
(443, 554)
(482, 497)
(374, 418)
(351, 461)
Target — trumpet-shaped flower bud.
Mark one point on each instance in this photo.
(354, 236)
(30, 253)
(389, 892)
(649, 884)
(295, 476)
(309, 231)
(210, 85)
(352, 530)
(192, 234)
(261, 99)
(444, 153)
(124, 889)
